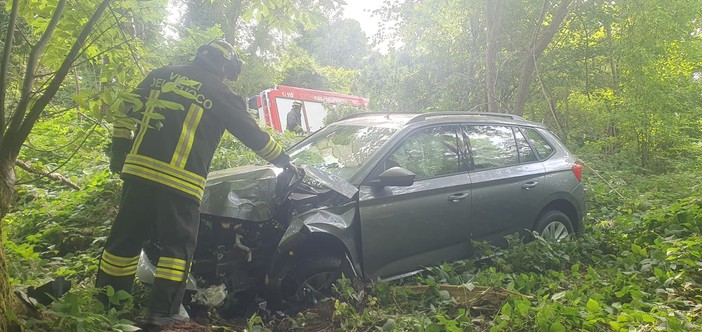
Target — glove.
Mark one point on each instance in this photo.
(295, 169)
(118, 153)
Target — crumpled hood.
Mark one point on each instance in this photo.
(244, 193)
(249, 192)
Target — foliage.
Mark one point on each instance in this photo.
(339, 44)
(635, 271)
(78, 310)
(604, 80)
(620, 82)
(60, 230)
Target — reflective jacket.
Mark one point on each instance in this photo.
(176, 124)
(294, 122)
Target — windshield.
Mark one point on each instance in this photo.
(342, 149)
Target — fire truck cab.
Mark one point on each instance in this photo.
(274, 104)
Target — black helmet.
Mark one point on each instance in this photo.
(219, 51)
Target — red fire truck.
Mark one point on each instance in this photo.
(274, 104)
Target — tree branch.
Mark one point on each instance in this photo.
(129, 45)
(55, 84)
(7, 48)
(32, 62)
(53, 176)
(552, 28)
(535, 52)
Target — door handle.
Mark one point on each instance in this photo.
(458, 197)
(529, 185)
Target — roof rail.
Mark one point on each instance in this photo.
(363, 114)
(424, 116)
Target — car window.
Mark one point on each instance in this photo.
(491, 146)
(340, 150)
(526, 154)
(429, 153)
(542, 147)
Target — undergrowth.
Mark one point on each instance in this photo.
(636, 267)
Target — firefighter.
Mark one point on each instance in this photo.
(294, 121)
(163, 147)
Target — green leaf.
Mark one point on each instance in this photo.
(170, 105)
(122, 295)
(558, 296)
(557, 327)
(592, 305)
(506, 309)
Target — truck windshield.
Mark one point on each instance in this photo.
(340, 149)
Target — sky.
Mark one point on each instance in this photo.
(355, 9)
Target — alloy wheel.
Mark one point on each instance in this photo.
(555, 231)
(316, 287)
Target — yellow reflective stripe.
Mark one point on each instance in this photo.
(153, 95)
(172, 266)
(169, 274)
(117, 265)
(116, 272)
(224, 51)
(172, 260)
(187, 136)
(269, 147)
(271, 151)
(163, 179)
(172, 263)
(179, 173)
(118, 260)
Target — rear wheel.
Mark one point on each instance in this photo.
(312, 279)
(554, 225)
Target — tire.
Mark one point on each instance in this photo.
(312, 279)
(554, 225)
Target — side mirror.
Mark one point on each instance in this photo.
(395, 176)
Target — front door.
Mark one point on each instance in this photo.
(407, 228)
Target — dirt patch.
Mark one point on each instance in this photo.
(317, 318)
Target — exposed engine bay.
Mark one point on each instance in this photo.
(244, 216)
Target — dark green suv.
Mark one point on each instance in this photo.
(384, 196)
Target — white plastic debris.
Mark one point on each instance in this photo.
(212, 297)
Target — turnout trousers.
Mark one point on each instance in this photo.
(149, 212)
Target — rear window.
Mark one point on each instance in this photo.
(526, 154)
(541, 145)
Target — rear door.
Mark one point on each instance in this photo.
(407, 228)
(508, 182)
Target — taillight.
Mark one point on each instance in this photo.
(578, 171)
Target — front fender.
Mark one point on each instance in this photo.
(337, 222)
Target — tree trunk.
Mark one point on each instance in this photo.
(493, 20)
(8, 301)
(25, 116)
(535, 51)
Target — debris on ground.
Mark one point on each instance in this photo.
(469, 295)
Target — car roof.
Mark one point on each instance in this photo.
(400, 120)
